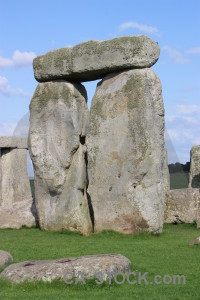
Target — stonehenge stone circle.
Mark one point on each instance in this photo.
(58, 125)
(48, 270)
(95, 59)
(194, 178)
(16, 202)
(110, 176)
(126, 151)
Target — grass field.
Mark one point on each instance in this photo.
(167, 253)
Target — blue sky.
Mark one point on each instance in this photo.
(30, 28)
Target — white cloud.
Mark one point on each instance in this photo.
(183, 129)
(7, 90)
(188, 109)
(140, 27)
(175, 55)
(19, 59)
(195, 50)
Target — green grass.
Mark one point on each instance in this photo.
(167, 253)
(179, 180)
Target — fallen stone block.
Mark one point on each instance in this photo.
(5, 258)
(48, 270)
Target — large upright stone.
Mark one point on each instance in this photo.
(16, 202)
(94, 59)
(126, 153)
(194, 178)
(58, 124)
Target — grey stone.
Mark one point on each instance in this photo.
(194, 178)
(13, 142)
(95, 59)
(48, 270)
(5, 258)
(16, 203)
(58, 125)
(182, 206)
(126, 152)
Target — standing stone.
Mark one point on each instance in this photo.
(126, 152)
(95, 59)
(16, 202)
(58, 124)
(194, 178)
(182, 206)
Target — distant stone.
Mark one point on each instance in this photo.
(95, 59)
(17, 206)
(126, 153)
(194, 178)
(13, 142)
(48, 270)
(195, 242)
(5, 258)
(182, 206)
(58, 125)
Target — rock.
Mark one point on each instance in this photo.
(58, 125)
(195, 242)
(182, 206)
(125, 153)
(48, 270)
(5, 258)
(95, 59)
(16, 202)
(194, 178)
(166, 172)
(13, 142)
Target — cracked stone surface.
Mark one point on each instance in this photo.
(58, 125)
(95, 59)
(48, 270)
(126, 153)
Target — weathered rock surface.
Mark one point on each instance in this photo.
(182, 206)
(16, 202)
(48, 270)
(194, 179)
(13, 142)
(94, 59)
(195, 242)
(126, 152)
(58, 124)
(166, 172)
(5, 258)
